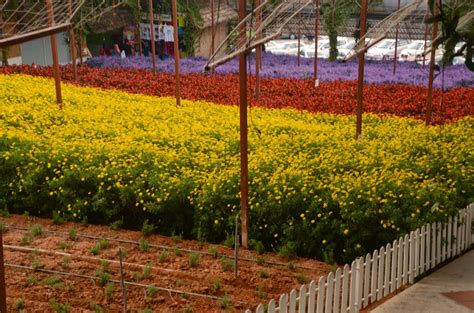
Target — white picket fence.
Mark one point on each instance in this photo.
(369, 279)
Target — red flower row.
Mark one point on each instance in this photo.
(330, 97)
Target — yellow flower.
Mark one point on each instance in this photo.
(346, 231)
(216, 222)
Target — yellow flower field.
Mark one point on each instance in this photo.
(110, 157)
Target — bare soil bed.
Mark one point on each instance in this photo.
(46, 264)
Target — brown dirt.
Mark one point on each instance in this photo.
(247, 291)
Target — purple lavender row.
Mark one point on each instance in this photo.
(376, 72)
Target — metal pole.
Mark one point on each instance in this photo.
(316, 27)
(243, 129)
(122, 282)
(426, 37)
(360, 81)
(176, 49)
(258, 52)
(236, 247)
(396, 44)
(54, 50)
(429, 100)
(140, 49)
(152, 25)
(1, 33)
(213, 30)
(3, 293)
(299, 34)
(72, 45)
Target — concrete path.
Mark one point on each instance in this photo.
(449, 289)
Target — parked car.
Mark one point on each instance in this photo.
(413, 51)
(324, 49)
(289, 47)
(345, 49)
(385, 49)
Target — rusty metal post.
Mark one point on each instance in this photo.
(429, 100)
(258, 51)
(152, 25)
(3, 293)
(72, 44)
(176, 49)
(299, 34)
(425, 38)
(54, 50)
(244, 185)
(396, 44)
(316, 28)
(360, 81)
(213, 29)
(140, 49)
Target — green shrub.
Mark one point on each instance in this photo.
(143, 245)
(19, 304)
(163, 256)
(194, 259)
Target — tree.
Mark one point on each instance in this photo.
(335, 14)
(449, 15)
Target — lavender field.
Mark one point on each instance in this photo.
(376, 72)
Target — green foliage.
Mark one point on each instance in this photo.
(57, 219)
(300, 278)
(103, 277)
(147, 229)
(117, 224)
(53, 281)
(216, 285)
(63, 245)
(31, 280)
(449, 15)
(73, 234)
(163, 256)
(213, 252)
(97, 308)
(188, 309)
(109, 291)
(264, 274)
(37, 230)
(59, 307)
(260, 260)
(147, 270)
(225, 303)
(288, 250)
(26, 239)
(19, 304)
(226, 264)
(36, 263)
(194, 259)
(150, 293)
(257, 246)
(177, 251)
(66, 262)
(143, 245)
(262, 291)
(3, 228)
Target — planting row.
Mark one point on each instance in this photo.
(376, 72)
(111, 156)
(330, 97)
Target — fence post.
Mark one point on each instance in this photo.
(292, 306)
(381, 272)
(428, 248)
(438, 243)
(393, 275)
(302, 300)
(422, 250)
(373, 277)
(367, 266)
(283, 304)
(329, 292)
(353, 287)
(417, 253)
(405, 260)
(433, 245)
(320, 297)
(311, 297)
(271, 306)
(345, 285)
(388, 257)
(337, 289)
(400, 262)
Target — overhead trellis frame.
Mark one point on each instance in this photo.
(268, 29)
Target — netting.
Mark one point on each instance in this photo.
(380, 30)
(275, 17)
(30, 16)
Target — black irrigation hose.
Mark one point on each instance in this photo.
(169, 290)
(157, 246)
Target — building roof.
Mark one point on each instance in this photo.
(112, 21)
(222, 15)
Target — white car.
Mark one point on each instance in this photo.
(345, 49)
(286, 48)
(324, 49)
(385, 49)
(413, 51)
